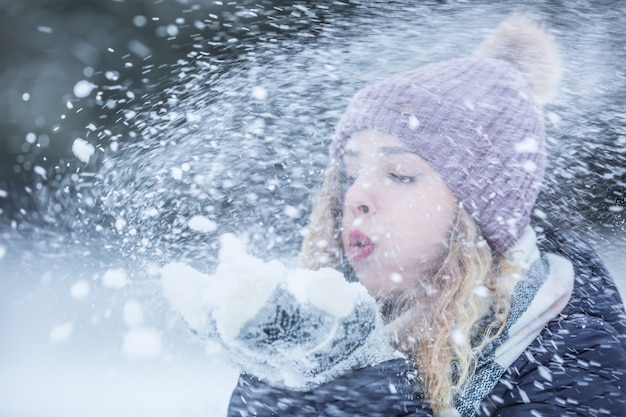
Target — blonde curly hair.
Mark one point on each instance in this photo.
(440, 330)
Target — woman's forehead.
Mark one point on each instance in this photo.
(372, 138)
(372, 143)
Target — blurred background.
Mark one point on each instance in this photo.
(134, 132)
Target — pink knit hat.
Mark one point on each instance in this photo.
(478, 121)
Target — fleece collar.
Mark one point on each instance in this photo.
(549, 300)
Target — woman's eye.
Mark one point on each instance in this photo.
(402, 178)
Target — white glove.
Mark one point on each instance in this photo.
(293, 328)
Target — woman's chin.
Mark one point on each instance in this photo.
(375, 289)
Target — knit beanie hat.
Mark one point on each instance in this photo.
(478, 121)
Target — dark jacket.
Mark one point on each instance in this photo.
(575, 367)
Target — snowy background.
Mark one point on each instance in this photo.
(136, 132)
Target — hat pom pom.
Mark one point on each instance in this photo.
(531, 50)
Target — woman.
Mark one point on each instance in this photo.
(427, 200)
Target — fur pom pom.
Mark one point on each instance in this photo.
(529, 48)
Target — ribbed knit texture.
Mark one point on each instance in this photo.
(476, 123)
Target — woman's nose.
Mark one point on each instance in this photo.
(358, 199)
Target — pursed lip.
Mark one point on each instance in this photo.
(360, 246)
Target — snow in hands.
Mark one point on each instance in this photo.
(294, 328)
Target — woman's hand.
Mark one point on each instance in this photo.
(293, 328)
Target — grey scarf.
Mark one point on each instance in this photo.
(538, 297)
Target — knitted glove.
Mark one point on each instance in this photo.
(291, 328)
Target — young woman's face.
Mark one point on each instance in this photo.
(397, 213)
